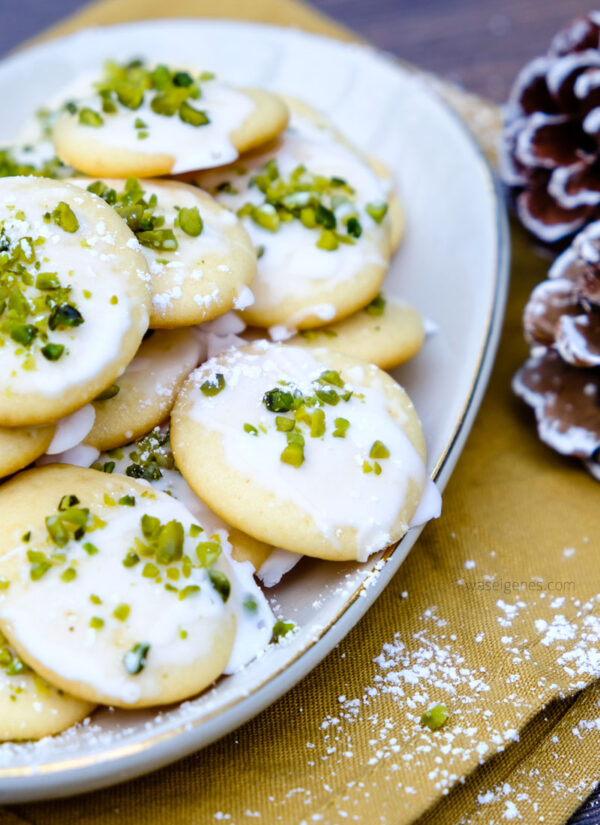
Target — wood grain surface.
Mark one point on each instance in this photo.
(479, 44)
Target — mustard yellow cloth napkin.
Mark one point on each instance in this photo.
(495, 613)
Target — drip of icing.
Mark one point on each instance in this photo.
(72, 430)
(430, 506)
(254, 621)
(244, 298)
(81, 455)
(276, 566)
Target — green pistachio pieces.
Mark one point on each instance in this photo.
(135, 659)
(190, 222)
(434, 718)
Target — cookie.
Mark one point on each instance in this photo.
(143, 396)
(30, 708)
(311, 451)
(387, 332)
(113, 592)
(19, 446)
(77, 297)
(318, 216)
(151, 458)
(200, 257)
(142, 121)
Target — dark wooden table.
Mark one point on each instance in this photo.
(480, 44)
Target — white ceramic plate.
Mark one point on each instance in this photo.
(453, 265)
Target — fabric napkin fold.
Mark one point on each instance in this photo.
(495, 613)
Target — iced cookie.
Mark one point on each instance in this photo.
(318, 216)
(143, 396)
(114, 592)
(75, 296)
(200, 257)
(386, 332)
(311, 451)
(151, 458)
(30, 708)
(145, 121)
(20, 446)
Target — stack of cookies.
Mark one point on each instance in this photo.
(192, 344)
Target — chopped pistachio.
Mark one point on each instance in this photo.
(195, 117)
(213, 386)
(281, 629)
(341, 427)
(377, 211)
(108, 393)
(131, 559)
(283, 424)
(68, 575)
(121, 612)
(127, 501)
(220, 582)
(90, 548)
(135, 659)
(250, 429)
(195, 530)
(208, 552)
(190, 590)
(250, 604)
(190, 222)
(64, 217)
(52, 352)
(379, 450)
(88, 117)
(95, 599)
(278, 400)
(434, 718)
(317, 424)
(377, 306)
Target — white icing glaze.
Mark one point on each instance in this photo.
(81, 455)
(95, 267)
(274, 568)
(72, 430)
(253, 627)
(292, 251)
(367, 502)
(71, 648)
(430, 506)
(193, 147)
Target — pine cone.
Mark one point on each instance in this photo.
(561, 379)
(550, 153)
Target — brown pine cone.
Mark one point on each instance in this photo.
(550, 153)
(561, 379)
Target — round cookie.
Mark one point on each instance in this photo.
(143, 396)
(143, 122)
(387, 332)
(19, 446)
(77, 297)
(115, 594)
(318, 216)
(151, 458)
(200, 257)
(30, 708)
(311, 451)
